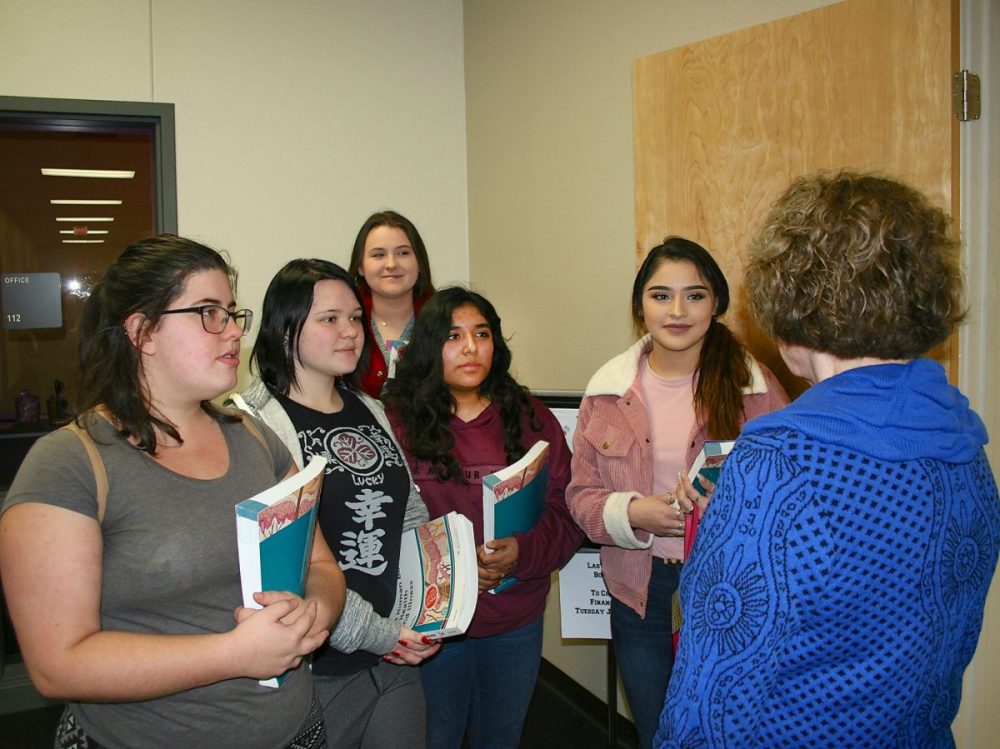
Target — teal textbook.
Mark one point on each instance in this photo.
(514, 498)
(704, 475)
(707, 466)
(274, 534)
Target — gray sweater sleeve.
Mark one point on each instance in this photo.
(360, 628)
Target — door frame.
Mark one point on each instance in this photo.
(978, 376)
(16, 691)
(76, 113)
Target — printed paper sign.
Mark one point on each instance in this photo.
(584, 601)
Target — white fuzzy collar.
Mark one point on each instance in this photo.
(616, 376)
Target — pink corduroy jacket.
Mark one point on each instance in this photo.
(613, 464)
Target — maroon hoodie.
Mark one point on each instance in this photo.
(479, 451)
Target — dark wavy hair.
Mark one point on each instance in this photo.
(422, 401)
(146, 278)
(424, 286)
(856, 265)
(287, 302)
(723, 373)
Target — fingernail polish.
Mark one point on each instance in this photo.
(397, 654)
(403, 643)
(426, 640)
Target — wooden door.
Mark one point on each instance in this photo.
(723, 126)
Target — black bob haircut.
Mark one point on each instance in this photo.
(287, 303)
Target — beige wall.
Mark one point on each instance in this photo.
(292, 126)
(551, 208)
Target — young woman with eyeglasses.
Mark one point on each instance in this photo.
(133, 615)
(307, 353)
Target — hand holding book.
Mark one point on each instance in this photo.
(657, 514)
(514, 499)
(300, 607)
(276, 638)
(698, 485)
(496, 560)
(688, 496)
(413, 648)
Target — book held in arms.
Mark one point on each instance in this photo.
(437, 584)
(514, 498)
(704, 475)
(274, 534)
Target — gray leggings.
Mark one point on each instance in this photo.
(381, 707)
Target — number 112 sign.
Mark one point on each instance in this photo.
(31, 300)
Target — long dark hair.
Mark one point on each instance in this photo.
(287, 302)
(723, 372)
(424, 286)
(146, 278)
(422, 401)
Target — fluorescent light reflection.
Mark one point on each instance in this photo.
(84, 220)
(83, 241)
(88, 231)
(96, 173)
(81, 287)
(85, 202)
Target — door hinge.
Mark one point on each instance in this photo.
(965, 99)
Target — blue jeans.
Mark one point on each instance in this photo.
(644, 649)
(482, 686)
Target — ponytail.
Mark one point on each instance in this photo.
(723, 374)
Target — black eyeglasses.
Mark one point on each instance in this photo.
(214, 318)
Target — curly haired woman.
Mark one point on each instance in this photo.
(836, 589)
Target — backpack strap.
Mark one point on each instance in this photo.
(255, 431)
(101, 474)
(252, 427)
(96, 464)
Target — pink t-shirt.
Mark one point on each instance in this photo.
(670, 407)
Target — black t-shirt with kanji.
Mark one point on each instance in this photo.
(361, 509)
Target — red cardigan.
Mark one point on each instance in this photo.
(373, 378)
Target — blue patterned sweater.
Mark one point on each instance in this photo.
(836, 588)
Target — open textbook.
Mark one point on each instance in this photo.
(514, 498)
(274, 534)
(438, 583)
